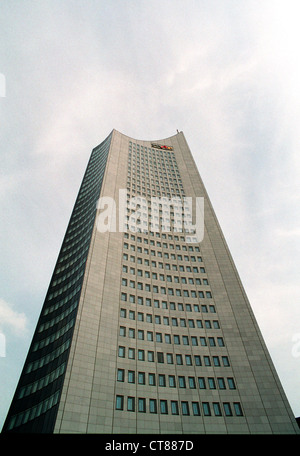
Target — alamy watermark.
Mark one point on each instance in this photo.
(2, 85)
(135, 215)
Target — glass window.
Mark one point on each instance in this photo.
(131, 404)
(160, 357)
(197, 360)
(151, 379)
(176, 340)
(192, 383)
(201, 382)
(166, 320)
(206, 408)
(174, 408)
(227, 409)
(172, 382)
(141, 378)
(152, 406)
(170, 358)
(149, 335)
(217, 409)
(163, 407)
(142, 404)
(122, 352)
(188, 360)
(196, 408)
(225, 361)
(119, 402)
(216, 361)
(220, 341)
(231, 383)
(238, 409)
(131, 376)
(161, 380)
(120, 375)
(151, 356)
(167, 338)
(203, 341)
(211, 383)
(141, 355)
(221, 383)
(185, 408)
(185, 340)
(181, 381)
(158, 337)
(179, 359)
(131, 353)
(132, 315)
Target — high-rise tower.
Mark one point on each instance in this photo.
(146, 328)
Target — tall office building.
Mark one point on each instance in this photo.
(146, 327)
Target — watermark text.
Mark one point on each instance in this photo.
(163, 214)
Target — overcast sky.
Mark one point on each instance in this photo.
(225, 72)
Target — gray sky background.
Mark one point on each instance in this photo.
(225, 72)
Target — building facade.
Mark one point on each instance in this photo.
(146, 327)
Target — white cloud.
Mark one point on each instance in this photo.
(10, 319)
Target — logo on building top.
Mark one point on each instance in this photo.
(160, 146)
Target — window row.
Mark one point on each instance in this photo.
(165, 164)
(150, 184)
(166, 255)
(177, 292)
(149, 194)
(165, 407)
(170, 358)
(43, 361)
(34, 412)
(42, 382)
(155, 166)
(169, 237)
(174, 321)
(53, 337)
(163, 278)
(69, 284)
(176, 339)
(154, 170)
(158, 243)
(163, 380)
(165, 305)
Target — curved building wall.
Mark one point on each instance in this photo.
(37, 396)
